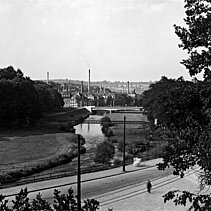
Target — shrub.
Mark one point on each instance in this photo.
(105, 121)
(109, 133)
(136, 147)
(104, 152)
(129, 158)
(120, 145)
(65, 202)
(113, 140)
(117, 162)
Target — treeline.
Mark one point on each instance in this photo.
(24, 101)
(176, 104)
(183, 109)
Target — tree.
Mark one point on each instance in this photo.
(155, 98)
(120, 99)
(104, 152)
(109, 100)
(24, 101)
(186, 110)
(9, 73)
(49, 98)
(65, 202)
(18, 98)
(196, 37)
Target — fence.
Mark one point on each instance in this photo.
(55, 175)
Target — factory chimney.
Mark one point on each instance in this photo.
(47, 77)
(128, 89)
(89, 84)
(82, 87)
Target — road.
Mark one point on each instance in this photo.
(91, 187)
(113, 188)
(94, 189)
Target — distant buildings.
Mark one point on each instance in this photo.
(80, 94)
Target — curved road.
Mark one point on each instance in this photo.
(113, 188)
(98, 187)
(92, 188)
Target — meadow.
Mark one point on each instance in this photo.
(32, 151)
(137, 136)
(27, 152)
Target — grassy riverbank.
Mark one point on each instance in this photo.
(30, 151)
(137, 137)
(27, 151)
(21, 156)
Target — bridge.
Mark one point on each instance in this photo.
(117, 109)
(113, 122)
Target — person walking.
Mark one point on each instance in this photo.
(149, 186)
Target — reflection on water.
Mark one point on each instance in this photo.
(91, 132)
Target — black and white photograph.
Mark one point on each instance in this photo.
(105, 105)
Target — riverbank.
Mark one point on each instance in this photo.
(23, 156)
(87, 163)
(26, 151)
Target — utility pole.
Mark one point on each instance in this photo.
(79, 175)
(124, 146)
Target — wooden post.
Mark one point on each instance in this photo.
(79, 176)
(124, 146)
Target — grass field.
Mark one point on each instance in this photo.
(129, 116)
(21, 152)
(133, 132)
(41, 147)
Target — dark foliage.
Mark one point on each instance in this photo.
(24, 101)
(104, 152)
(195, 37)
(65, 202)
(184, 110)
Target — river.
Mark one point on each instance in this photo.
(91, 132)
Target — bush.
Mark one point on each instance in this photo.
(61, 159)
(104, 152)
(129, 158)
(120, 145)
(113, 140)
(105, 122)
(65, 202)
(136, 147)
(117, 162)
(109, 133)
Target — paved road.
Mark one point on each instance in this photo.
(122, 191)
(135, 197)
(93, 182)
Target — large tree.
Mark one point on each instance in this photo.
(18, 98)
(185, 110)
(196, 37)
(23, 101)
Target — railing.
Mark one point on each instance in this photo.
(49, 176)
(57, 175)
(114, 122)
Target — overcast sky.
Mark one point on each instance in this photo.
(119, 40)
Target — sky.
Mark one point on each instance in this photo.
(118, 40)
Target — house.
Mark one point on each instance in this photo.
(66, 98)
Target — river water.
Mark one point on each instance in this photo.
(91, 132)
(93, 135)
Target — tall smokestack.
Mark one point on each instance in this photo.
(47, 77)
(82, 87)
(128, 89)
(89, 84)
